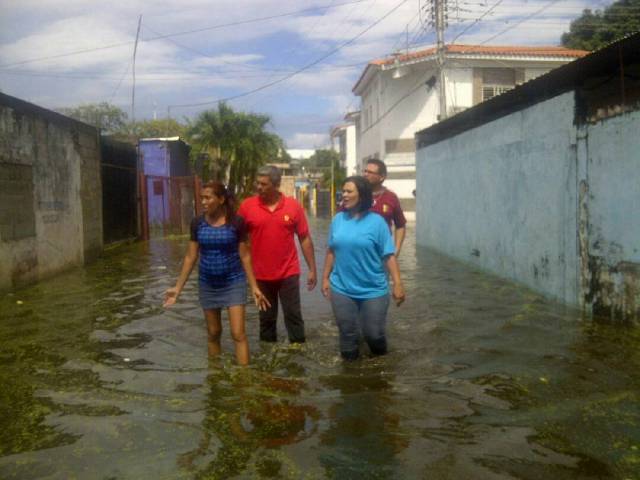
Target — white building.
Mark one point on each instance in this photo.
(399, 96)
(300, 153)
(343, 141)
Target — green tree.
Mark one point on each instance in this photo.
(323, 160)
(160, 128)
(234, 145)
(593, 30)
(108, 118)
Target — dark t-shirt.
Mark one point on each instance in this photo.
(219, 264)
(387, 204)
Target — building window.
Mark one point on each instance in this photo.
(490, 91)
(490, 82)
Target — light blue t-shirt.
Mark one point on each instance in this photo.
(360, 246)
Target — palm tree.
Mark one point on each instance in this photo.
(236, 145)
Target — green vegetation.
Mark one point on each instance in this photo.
(108, 118)
(234, 145)
(160, 128)
(322, 161)
(593, 30)
(231, 144)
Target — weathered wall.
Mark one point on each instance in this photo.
(503, 196)
(534, 198)
(613, 172)
(50, 193)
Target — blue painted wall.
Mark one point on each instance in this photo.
(535, 199)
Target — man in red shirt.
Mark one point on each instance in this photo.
(385, 202)
(272, 219)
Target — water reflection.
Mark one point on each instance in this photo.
(364, 436)
(248, 414)
(484, 379)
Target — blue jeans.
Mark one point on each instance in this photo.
(353, 316)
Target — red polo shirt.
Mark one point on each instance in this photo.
(387, 204)
(273, 248)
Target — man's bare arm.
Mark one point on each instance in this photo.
(306, 244)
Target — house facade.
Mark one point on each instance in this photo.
(343, 141)
(399, 96)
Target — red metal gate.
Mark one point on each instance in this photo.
(168, 204)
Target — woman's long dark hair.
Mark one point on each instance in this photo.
(364, 192)
(220, 190)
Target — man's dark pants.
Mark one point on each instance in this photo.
(288, 290)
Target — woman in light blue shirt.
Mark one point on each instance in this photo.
(359, 255)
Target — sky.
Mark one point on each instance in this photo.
(296, 61)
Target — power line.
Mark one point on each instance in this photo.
(175, 34)
(160, 77)
(510, 27)
(300, 70)
(197, 52)
(119, 83)
(477, 20)
(337, 28)
(417, 86)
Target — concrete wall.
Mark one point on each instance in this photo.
(613, 203)
(50, 193)
(534, 198)
(502, 196)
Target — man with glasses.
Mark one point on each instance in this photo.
(272, 220)
(385, 202)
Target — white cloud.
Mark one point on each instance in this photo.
(216, 63)
(229, 60)
(341, 104)
(66, 36)
(308, 140)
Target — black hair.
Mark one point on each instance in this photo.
(220, 190)
(364, 192)
(382, 168)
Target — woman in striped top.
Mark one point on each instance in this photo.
(219, 241)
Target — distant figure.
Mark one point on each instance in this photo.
(219, 238)
(360, 253)
(272, 221)
(385, 202)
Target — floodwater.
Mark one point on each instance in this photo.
(485, 380)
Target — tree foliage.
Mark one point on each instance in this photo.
(159, 128)
(594, 30)
(234, 145)
(322, 160)
(104, 116)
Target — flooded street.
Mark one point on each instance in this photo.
(484, 380)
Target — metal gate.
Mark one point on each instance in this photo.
(168, 204)
(119, 191)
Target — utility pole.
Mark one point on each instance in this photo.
(440, 24)
(133, 89)
(333, 190)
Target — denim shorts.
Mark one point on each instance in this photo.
(213, 298)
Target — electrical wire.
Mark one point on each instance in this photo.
(488, 12)
(300, 70)
(175, 34)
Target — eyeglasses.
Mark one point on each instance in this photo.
(370, 172)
